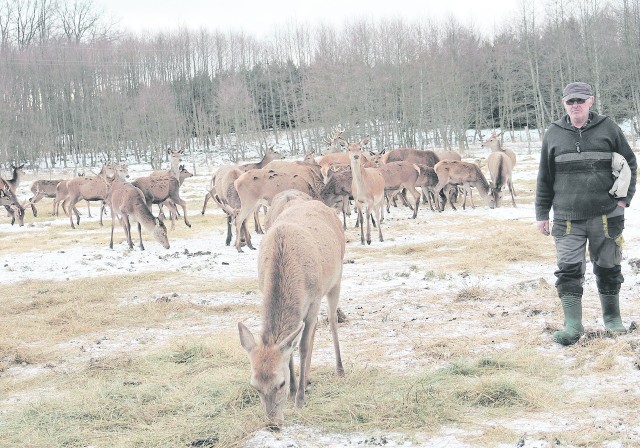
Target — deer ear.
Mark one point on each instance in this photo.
(246, 338)
(342, 142)
(365, 140)
(289, 344)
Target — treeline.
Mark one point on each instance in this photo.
(75, 89)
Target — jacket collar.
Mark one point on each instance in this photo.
(593, 120)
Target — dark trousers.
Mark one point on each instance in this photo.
(604, 237)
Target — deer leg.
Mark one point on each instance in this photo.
(182, 204)
(332, 309)
(72, 207)
(361, 224)
(140, 234)
(293, 386)
(208, 196)
(438, 189)
(378, 211)
(127, 229)
(305, 349)
(369, 215)
(112, 225)
(102, 211)
(228, 240)
(240, 223)
(513, 193)
(88, 210)
(416, 200)
(256, 222)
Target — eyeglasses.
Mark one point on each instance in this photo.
(575, 100)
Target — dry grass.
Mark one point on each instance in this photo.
(196, 391)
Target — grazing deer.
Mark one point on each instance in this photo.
(466, 174)
(42, 188)
(300, 261)
(269, 155)
(5, 199)
(500, 168)
(367, 187)
(10, 202)
(126, 200)
(16, 211)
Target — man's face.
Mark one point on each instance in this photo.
(578, 112)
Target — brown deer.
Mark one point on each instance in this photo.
(332, 140)
(495, 144)
(160, 187)
(337, 191)
(10, 202)
(183, 174)
(500, 168)
(5, 199)
(269, 155)
(417, 156)
(465, 174)
(126, 200)
(399, 177)
(16, 211)
(91, 188)
(41, 189)
(300, 261)
(258, 187)
(367, 187)
(427, 182)
(174, 163)
(280, 202)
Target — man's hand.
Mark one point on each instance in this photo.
(543, 227)
(622, 204)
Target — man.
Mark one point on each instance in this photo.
(574, 178)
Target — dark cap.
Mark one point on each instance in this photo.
(577, 90)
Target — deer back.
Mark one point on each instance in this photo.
(300, 259)
(500, 168)
(45, 186)
(418, 156)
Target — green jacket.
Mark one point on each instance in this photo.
(575, 173)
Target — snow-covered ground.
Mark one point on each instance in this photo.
(385, 298)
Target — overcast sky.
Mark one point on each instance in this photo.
(262, 17)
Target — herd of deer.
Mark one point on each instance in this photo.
(110, 187)
(302, 251)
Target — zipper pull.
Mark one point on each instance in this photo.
(578, 146)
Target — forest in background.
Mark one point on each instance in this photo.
(76, 89)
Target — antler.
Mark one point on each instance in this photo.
(336, 133)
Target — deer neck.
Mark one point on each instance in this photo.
(358, 171)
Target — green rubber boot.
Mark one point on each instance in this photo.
(611, 312)
(573, 329)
